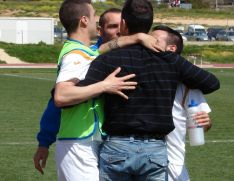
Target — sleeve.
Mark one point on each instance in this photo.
(196, 78)
(49, 125)
(74, 66)
(199, 98)
(97, 72)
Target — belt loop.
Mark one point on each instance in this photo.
(131, 139)
(146, 139)
(107, 138)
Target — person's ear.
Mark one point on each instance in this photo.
(123, 27)
(84, 21)
(99, 31)
(171, 48)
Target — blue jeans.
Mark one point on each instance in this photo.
(129, 159)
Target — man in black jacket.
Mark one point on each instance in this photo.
(135, 148)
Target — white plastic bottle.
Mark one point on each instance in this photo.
(196, 132)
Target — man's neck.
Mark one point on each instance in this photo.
(81, 37)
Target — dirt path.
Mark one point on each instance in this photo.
(8, 59)
(202, 21)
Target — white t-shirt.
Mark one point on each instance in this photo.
(74, 66)
(176, 139)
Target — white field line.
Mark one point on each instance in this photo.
(217, 141)
(35, 143)
(26, 77)
(18, 143)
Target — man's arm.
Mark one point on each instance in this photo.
(146, 40)
(67, 93)
(49, 127)
(196, 78)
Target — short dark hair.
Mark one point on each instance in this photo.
(71, 11)
(138, 15)
(174, 37)
(102, 19)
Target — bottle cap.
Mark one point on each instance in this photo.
(192, 104)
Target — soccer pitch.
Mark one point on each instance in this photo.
(24, 94)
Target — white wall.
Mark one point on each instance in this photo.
(98, 1)
(27, 30)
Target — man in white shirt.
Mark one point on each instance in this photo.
(171, 40)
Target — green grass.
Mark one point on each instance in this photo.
(22, 103)
(34, 53)
(215, 161)
(31, 8)
(194, 13)
(24, 98)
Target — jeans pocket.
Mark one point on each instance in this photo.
(158, 167)
(160, 162)
(112, 158)
(110, 162)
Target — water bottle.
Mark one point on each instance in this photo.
(196, 132)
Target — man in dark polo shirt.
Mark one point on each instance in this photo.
(135, 147)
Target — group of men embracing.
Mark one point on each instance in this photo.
(118, 108)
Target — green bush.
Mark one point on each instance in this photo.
(2, 62)
(42, 53)
(197, 4)
(211, 53)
